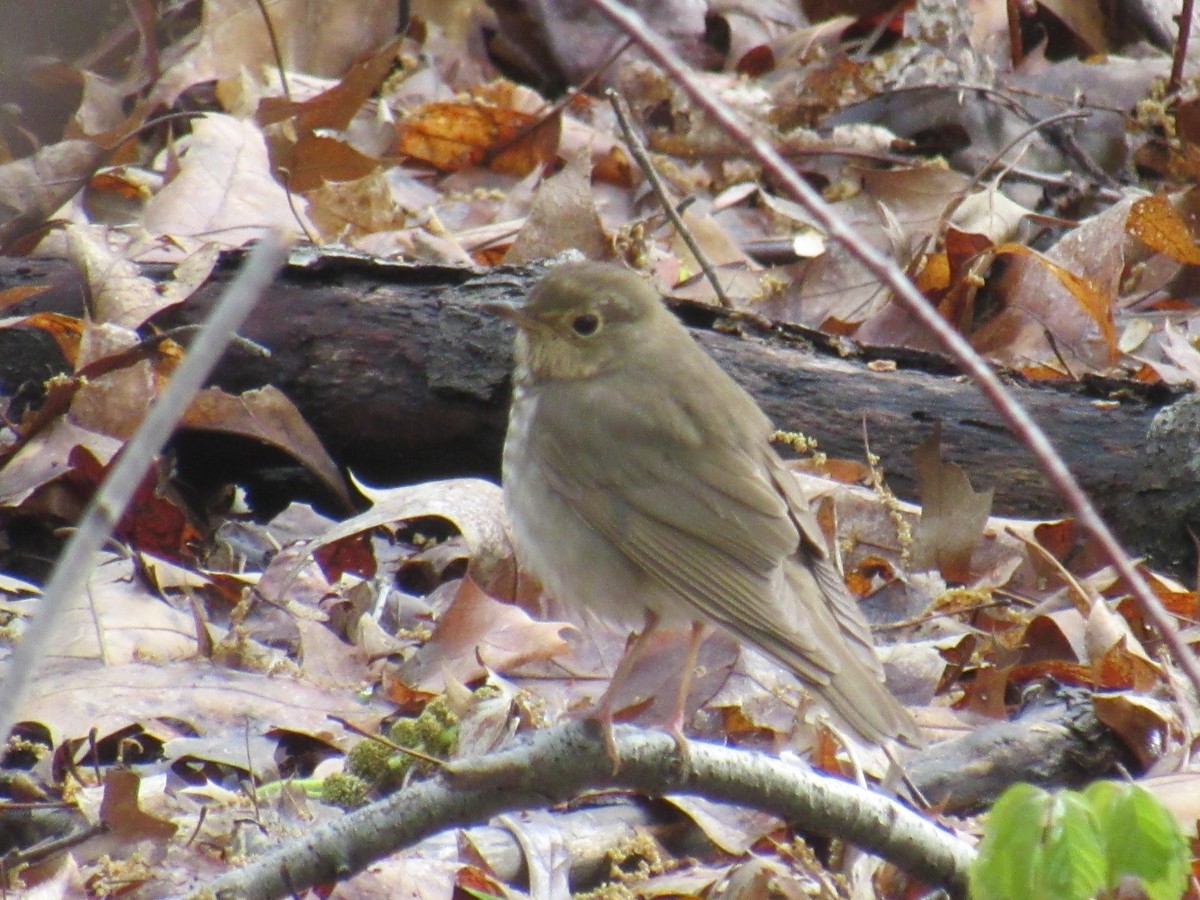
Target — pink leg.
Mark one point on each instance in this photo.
(675, 723)
(604, 707)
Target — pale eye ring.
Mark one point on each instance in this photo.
(585, 325)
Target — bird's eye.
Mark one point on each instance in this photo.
(585, 325)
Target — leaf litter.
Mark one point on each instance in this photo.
(227, 644)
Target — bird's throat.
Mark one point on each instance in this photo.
(543, 358)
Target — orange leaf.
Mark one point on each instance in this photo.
(455, 135)
(934, 275)
(953, 515)
(67, 331)
(315, 160)
(1158, 225)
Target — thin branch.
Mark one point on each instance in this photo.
(907, 295)
(634, 142)
(75, 565)
(558, 763)
(275, 51)
(1184, 25)
(390, 744)
(996, 161)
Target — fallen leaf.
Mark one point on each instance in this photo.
(563, 217)
(225, 191)
(1158, 225)
(477, 634)
(953, 515)
(267, 415)
(454, 135)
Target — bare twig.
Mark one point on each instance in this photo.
(1006, 98)
(75, 565)
(995, 162)
(275, 51)
(1184, 24)
(907, 295)
(634, 142)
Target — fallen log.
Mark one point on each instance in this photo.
(405, 379)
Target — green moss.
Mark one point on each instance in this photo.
(345, 790)
(368, 760)
(380, 769)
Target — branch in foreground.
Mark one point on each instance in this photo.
(559, 763)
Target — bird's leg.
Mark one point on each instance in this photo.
(604, 706)
(675, 723)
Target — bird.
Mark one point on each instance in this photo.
(640, 478)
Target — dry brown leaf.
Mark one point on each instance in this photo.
(122, 814)
(1117, 655)
(563, 217)
(115, 402)
(33, 188)
(120, 294)
(474, 506)
(67, 331)
(46, 458)
(953, 515)
(115, 620)
(1096, 302)
(1059, 305)
(477, 634)
(423, 878)
(1184, 358)
(320, 37)
(156, 519)
(207, 699)
(732, 828)
(225, 191)
(985, 693)
(316, 160)
(1089, 20)
(333, 108)
(1059, 635)
(715, 242)
(267, 415)
(354, 211)
(19, 293)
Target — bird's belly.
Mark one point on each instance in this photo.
(574, 563)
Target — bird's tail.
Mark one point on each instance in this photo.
(848, 676)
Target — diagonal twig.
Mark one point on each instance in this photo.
(638, 151)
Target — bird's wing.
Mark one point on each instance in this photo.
(703, 519)
(814, 553)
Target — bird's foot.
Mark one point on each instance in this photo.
(604, 719)
(682, 744)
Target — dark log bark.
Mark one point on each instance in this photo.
(1054, 741)
(405, 379)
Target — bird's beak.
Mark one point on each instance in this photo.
(513, 312)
